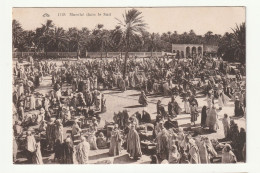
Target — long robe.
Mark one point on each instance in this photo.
(193, 113)
(203, 116)
(82, 152)
(50, 134)
(67, 156)
(115, 143)
(15, 149)
(162, 144)
(194, 153)
(133, 144)
(37, 157)
(92, 140)
(226, 126)
(204, 158)
(32, 102)
(59, 132)
(212, 120)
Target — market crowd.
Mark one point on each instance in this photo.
(75, 100)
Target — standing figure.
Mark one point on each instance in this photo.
(92, 137)
(239, 111)
(203, 116)
(162, 143)
(37, 156)
(212, 119)
(115, 143)
(67, 155)
(58, 130)
(82, 151)
(32, 102)
(133, 143)
(194, 152)
(30, 146)
(226, 125)
(193, 113)
(210, 99)
(203, 151)
(186, 105)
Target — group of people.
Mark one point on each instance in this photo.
(76, 91)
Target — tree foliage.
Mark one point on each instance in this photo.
(129, 35)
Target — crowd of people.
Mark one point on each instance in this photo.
(75, 100)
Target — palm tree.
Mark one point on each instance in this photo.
(239, 37)
(58, 40)
(17, 31)
(132, 25)
(44, 34)
(116, 39)
(169, 35)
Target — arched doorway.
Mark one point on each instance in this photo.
(200, 50)
(182, 54)
(178, 54)
(187, 51)
(193, 51)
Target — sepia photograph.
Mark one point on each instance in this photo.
(158, 85)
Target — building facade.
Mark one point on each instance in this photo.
(187, 50)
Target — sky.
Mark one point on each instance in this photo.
(181, 19)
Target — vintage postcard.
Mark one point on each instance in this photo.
(129, 85)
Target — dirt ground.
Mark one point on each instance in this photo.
(117, 101)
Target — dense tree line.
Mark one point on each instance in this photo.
(135, 38)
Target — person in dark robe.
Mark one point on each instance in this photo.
(239, 111)
(80, 86)
(88, 98)
(15, 149)
(67, 154)
(234, 136)
(193, 113)
(241, 143)
(58, 150)
(171, 110)
(203, 116)
(154, 159)
(138, 116)
(143, 99)
(160, 109)
(146, 118)
(133, 143)
(192, 99)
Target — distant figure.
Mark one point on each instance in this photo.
(226, 125)
(203, 116)
(213, 119)
(143, 99)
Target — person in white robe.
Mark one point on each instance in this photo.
(82, 151)
(32, 102)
